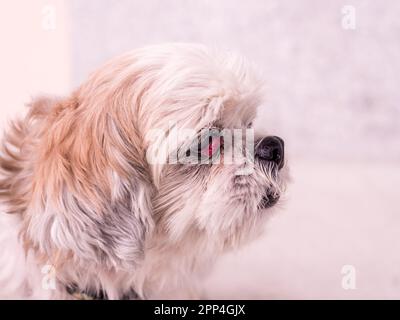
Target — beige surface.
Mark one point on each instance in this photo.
(336, 214)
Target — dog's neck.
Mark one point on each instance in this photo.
(89, 294)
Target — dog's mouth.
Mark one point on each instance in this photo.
(268, 200)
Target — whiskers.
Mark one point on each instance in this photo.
(271, 178)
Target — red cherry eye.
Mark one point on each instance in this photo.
(210, 149)
(214, 145)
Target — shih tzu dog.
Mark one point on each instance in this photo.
(132, 186)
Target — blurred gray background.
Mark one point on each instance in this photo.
(332, 93)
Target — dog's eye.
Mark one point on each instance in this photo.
(206, 148)
(213, 145)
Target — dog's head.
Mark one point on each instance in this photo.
(213, 176)
(159, 140)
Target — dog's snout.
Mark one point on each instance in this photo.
(271, 149)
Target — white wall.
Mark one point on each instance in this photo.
(332, 93)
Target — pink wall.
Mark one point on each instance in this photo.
(35, 57)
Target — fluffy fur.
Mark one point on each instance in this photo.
(85, 203)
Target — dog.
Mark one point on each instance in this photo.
(127, 189)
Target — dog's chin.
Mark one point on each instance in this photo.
(268, 201)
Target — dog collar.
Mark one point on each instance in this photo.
(89, 294)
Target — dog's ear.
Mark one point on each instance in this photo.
(91, 193)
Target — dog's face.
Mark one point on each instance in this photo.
(226, 201)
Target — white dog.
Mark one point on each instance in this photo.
(132, 186)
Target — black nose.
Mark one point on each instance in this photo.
(271, 149)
